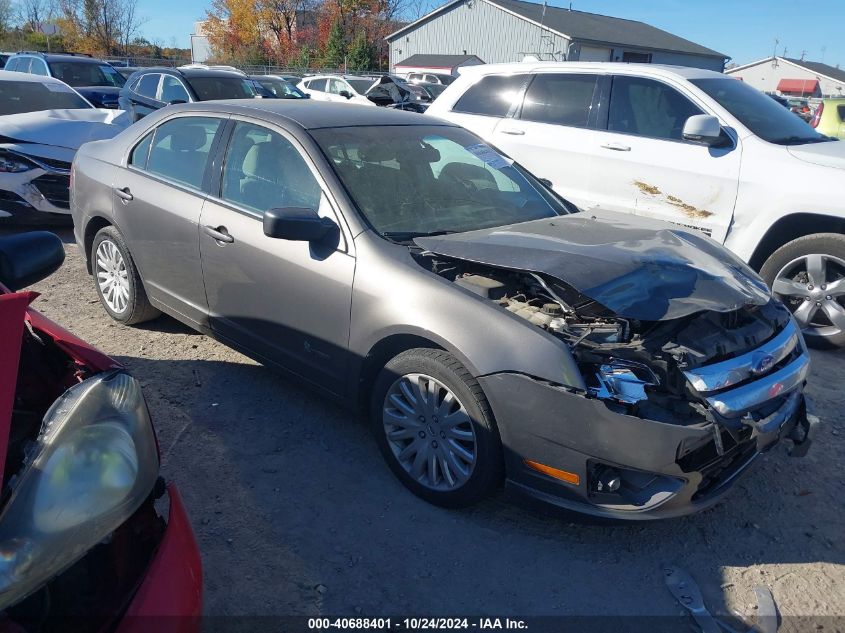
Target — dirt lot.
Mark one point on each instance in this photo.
(296, 513)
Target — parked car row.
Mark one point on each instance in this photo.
(527, 286)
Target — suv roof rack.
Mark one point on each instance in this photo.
(43, 53)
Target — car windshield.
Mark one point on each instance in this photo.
(415, 180)
(17, 97)
(79, 74)
(360, 85)
(760, 114)
(215, 88)
(281, 89)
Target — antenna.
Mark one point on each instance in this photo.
(775, 53)
(803, 54)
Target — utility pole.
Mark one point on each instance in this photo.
(775, 53)
(824, 50)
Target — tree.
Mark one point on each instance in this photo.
(334, 53)
(34, 13)
(361, 53)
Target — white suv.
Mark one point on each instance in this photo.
(344, 88)
(689, 146)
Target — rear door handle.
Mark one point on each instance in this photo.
(513, 131)
(219, 233)
(124, 194)
(617, 147)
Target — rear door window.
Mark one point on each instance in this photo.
(180, 149)
(493, 95)
(38, 67)
(23, 64)
(646, 107)
(317, 84)
(561, 99)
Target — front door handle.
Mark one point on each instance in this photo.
(617, 147)
(219, 233)
(513, 131)
(124, 194)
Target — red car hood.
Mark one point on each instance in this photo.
(14, 311)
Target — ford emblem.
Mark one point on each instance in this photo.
(761, 363)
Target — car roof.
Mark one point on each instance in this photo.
(8, 75)
(663, 70)
(191, 72)
(64, 57)
(312, 115)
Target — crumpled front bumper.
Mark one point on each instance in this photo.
(673, 470)
(169, 599)
(33, 193)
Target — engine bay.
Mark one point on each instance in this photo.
(636, 367)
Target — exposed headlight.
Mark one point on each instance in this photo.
(94, 464)
(624, 381)
(13, 164)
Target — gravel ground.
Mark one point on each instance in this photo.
(296, 513)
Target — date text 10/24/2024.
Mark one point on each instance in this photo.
(415, 624)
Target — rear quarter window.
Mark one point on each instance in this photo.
(493, 95)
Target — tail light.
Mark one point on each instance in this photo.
(817, 116)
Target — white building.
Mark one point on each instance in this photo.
(792, 77)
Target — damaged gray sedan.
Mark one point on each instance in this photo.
(488, 330)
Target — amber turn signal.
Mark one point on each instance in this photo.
(557, 473)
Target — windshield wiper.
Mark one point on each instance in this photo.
(407, 236)
(801, 140)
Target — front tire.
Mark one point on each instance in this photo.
(808, 275)
(117, 281)
(435, 428)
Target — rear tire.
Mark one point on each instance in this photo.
(435, 428)
(808, 275)
(116, 279)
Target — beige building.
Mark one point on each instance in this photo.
(792, 77)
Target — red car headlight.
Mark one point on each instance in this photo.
(94, 464)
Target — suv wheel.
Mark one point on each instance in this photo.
(808, 275)
(435, 428)
(117, 281)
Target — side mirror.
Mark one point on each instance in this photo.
(703, 128)
(345, 93)
(297, 224)
(27, 258)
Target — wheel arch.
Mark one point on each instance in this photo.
(94, 225)
(380, 354)
(791, 227)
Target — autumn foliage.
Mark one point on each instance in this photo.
(328, 33)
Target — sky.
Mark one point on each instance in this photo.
(742, 29)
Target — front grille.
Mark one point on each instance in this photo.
(734, 387)
(721, 470)
(55, 188)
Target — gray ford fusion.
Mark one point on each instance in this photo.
(490, 332)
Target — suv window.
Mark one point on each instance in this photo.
(563, 99)
(648, 108)
(76, 73)
(215, 88)
(38, 67)
(12, 64)
(263, 171)
(23, 64)
(492, 96)
(317, 84)
(173, 90)
(147, 86)
(181, 148)
(336, 85)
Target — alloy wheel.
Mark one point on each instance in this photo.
(429, 432)
(813, 288)
(112, 276)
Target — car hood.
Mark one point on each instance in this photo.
(63, 128)
(829, 154)
(638, 269)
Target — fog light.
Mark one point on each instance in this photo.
(608, 481)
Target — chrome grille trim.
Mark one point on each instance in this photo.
(724, 374)
(735, 402)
